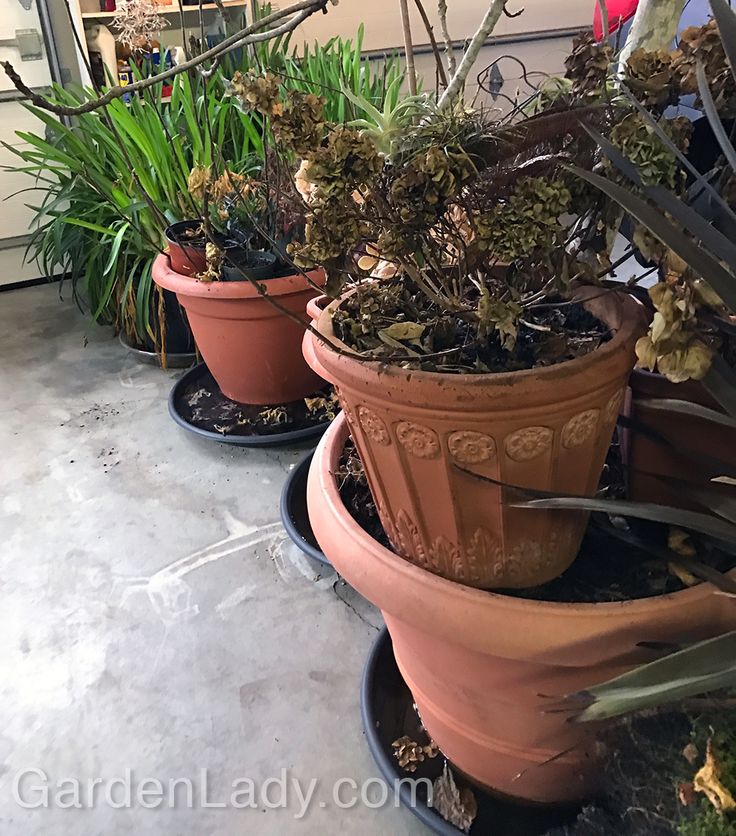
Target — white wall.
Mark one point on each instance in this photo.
(14, 215)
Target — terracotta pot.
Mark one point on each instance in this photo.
(479, 663)
(187, 259)
(419, 433)
(251, 348)
(661, 473)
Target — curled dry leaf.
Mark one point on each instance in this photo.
(403, 331)
(274, 415)
(687, 578)
(458, 807)
(409, 753)
(708, 781)
(679, 541)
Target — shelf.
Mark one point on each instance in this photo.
(171, 9)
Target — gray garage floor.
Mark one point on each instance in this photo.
(153, 618)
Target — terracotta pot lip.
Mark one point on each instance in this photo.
(400, 573)
(183, 285)
(631, 326)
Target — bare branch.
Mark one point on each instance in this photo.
(251, 34)
(495, 10)
(604, 20)
(432, 40)
(408, 47)
(449, 50)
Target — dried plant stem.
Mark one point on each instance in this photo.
(411, 72)
(296, 14)
(495, 10)
(433, 42)
(605, 24)
(654, 26)
(449, 49)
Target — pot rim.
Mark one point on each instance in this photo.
(633, 324)
(399, 572)
(188, 286)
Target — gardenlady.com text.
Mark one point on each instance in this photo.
(34, 788)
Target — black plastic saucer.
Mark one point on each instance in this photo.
(198, 385)
(386, 706)
(294, 514)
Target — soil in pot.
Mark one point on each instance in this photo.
(553, 333)
(538, 415)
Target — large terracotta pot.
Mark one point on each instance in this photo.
(485, 668)
(418, 433)
(252, 349)
(661, 473)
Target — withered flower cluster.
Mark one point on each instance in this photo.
(466, 237)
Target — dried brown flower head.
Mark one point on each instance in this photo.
(587, 65)
(652, 78)
(703, 44)
(137, 22)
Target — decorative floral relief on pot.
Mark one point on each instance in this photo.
(613, 407)
(374, 427)
(409, 539)
(445, 559)
(580, 428)
(528, 443)
(483, 561)
(469, 447)
(420, 441)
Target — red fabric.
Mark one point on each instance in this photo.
(619, 11)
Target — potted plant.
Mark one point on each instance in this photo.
(488, 671)
(433, 422)
(462, 337)
(246, 306)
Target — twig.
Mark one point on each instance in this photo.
(491, 18)
(602, 5)
(433, 42)
(449, 48)
(408, 47)
(249, 35)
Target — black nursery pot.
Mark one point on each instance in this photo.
(179, 338)
(186, 250)
(251, 266)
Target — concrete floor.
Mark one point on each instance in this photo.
(153, 617)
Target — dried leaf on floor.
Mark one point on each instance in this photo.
(458, 807)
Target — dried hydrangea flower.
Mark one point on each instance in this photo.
(137, 22)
